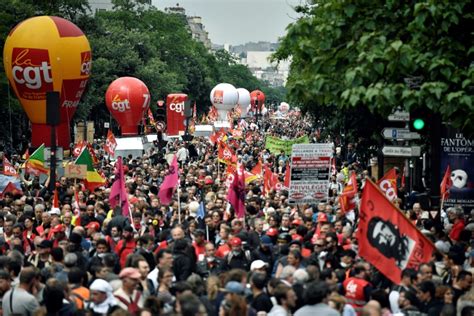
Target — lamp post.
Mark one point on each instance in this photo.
(257, 107)
(188, 113)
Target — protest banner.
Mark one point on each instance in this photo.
(275, 145)
(310, 172)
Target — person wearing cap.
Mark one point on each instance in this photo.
(92, 228)
(237, 258)
(128, 297)
(126, 245)
(102, 301)
(57, 233)
(41, 258)
(264, 251)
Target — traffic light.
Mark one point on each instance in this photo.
(161, 111)
(419, 120)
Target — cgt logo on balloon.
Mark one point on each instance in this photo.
(120, 105)
(177, 107)
(86, 63)
(31, 70)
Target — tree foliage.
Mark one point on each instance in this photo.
(381, 55)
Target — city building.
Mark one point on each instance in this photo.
(262, 68)
(106, 5)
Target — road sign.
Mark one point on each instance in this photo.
(160, 126)
(399, 151)
(75, 171)
(399, 133)
(399, 116)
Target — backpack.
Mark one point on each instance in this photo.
(132, 307)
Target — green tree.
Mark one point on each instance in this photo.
(383, 54)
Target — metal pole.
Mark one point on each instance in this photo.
(179, 205)
(52, 174)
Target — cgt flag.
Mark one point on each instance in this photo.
(347, 200)
(110, 143)
(388, 184)
(387, 238)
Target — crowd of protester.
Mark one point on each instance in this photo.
(281, 259)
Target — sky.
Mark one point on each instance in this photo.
(239, 21)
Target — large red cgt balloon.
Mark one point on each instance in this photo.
(127, 98)
(257, 95)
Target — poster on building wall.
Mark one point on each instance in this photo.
(457, 151)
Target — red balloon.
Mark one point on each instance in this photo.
(257, 95)
(127, 99)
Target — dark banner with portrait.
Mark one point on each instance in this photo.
(457, 151)
(387, 239)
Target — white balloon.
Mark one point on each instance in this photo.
(244, 101)
(224, 97)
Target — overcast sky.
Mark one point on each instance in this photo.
(239, 21)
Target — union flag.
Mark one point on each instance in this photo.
(388, 184)
(387, 238)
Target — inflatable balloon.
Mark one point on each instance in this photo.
(127, 99)
(175, 118)
(244, 101)
(284, 107)
(224, 97)
(43, 54)
(254, 96)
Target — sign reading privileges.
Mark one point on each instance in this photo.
(276, 145)
(310, 172)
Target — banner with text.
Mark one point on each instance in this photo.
(310, 172)
(457, 151)
(276, 145)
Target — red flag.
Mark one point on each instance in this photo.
(348, 195)
(286, 182)
(388, 184)
(78, 148)
(11, 187)
(150, 118)
(446, 183)
(8, 168)
(236, 195)
(226, 154)
(118, 192)
(55, 201)
(237, 133)
(257, 170)
(387, 238)
(270, 181)
(168, 186)
(110, 143)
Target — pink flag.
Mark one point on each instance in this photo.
(169, 183)
(118, 193)
(236, 195)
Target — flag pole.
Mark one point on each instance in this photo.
(179, 204)
(207, 232)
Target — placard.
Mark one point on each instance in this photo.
(310, 172)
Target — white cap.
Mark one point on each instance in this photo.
(258, 264)
(101, 286)
(54, 211)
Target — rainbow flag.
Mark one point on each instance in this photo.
(93, 178)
